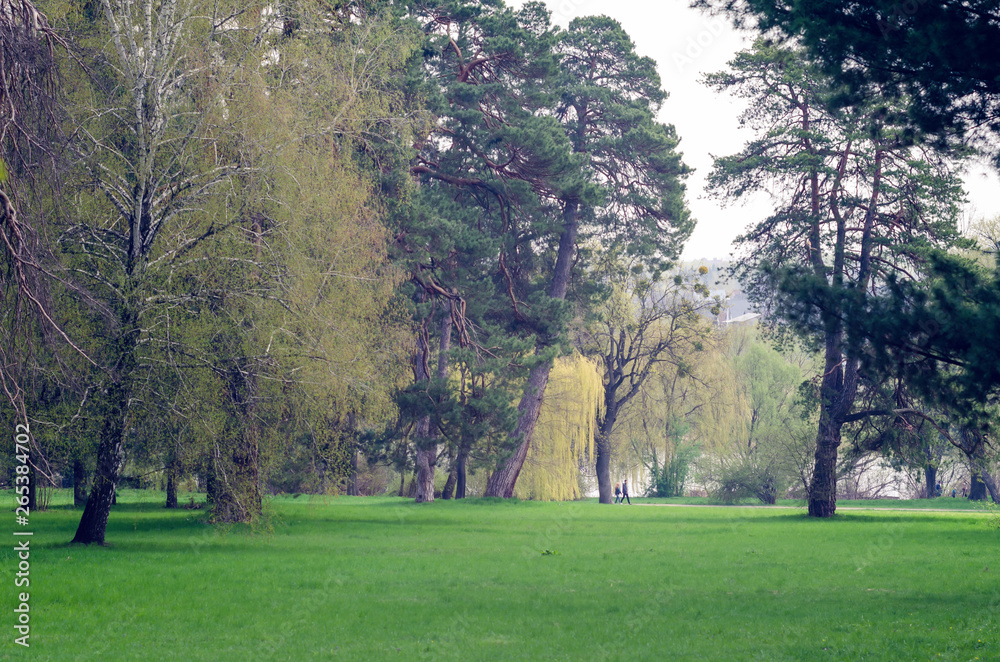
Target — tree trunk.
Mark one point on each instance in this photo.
(460, 469)
(991, 485)
(503, 479)
(426, 448)
(110, 461)
(210, 488)
(238, 490)
(352, 485)
(79, 483)
(930, 480)
(111, 446)
(823, 490)
(171, 484)
(449, 485)
(402, 481)
(977, 488)
(32, 489)
(425, 462)
(603, 449)
(238, 495)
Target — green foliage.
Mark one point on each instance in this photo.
(668, 479)
(564, 434)
(830, 166)
(920, 332)
(936, 57)
(746, 480)
(993, 511)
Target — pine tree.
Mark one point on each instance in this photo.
(859, 200)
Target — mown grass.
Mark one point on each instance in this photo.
(383, 578)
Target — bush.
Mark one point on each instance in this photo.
(745, 480)
(668, 480)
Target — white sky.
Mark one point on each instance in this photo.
(687, 44)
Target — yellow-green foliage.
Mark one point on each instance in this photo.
(564, 434)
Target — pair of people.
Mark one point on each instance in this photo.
(621, 493)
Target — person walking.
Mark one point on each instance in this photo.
(618, 492)
(625, 493)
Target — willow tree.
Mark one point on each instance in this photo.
(859, 199)
(564, 436)
(641, 325)
(29, 169)
(148, 107)
(247, 257)
(632, 199)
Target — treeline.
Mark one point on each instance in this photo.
(275, 246)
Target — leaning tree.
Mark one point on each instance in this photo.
(633, 200)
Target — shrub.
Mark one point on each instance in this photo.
(745, 480)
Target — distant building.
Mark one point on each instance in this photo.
(745, 318)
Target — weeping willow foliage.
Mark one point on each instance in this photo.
(687, 409)
(564, 434)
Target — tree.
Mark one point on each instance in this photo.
(564, 436)
(938, 58)
(466, 240)
(225, 262)
(31, 166)
(763, 456)
(633, 199)
(641, 325)
(860, 200)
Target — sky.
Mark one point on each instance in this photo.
(686, 44)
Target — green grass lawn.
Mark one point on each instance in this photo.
(384, 578)
(939, 503)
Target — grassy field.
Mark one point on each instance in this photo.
(383, 578)
(940, 503)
